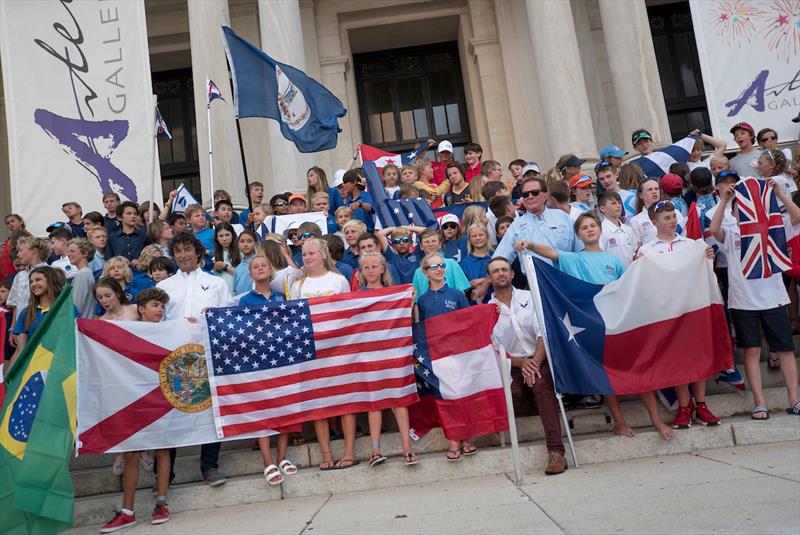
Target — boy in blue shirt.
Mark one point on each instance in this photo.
(396, 245)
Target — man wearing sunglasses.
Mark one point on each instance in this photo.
(280, 204)
(538, 224)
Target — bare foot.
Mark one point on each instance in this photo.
(665, 431)
(624, 430)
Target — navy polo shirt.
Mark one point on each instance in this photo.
(359, 213)
(445, 299)
(475, 267)
(78, 229)
(128, 245)
(254, 298)
(452, 250)
(111, 224)
(404, 265)
(350, 259)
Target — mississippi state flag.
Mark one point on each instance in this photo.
(213, 91)
(762, 231)
(661, 324)
(142, 386)
(381, 158)
(458, 376)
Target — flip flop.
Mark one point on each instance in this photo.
(469, 450)
(410, 458)
(287, 467)
(377, 459)
(273, 475)
(795, 409)
(352, 462)
(759, 409)
(457, 454)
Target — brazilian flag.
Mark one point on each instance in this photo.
(37, 428)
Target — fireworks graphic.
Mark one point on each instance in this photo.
(736, 21)
(782, 29)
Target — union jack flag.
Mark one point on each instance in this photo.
(761, 229)
(213, 91)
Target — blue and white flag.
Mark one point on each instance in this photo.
(656, 164)
(396, 212)
(213, 91)
(161, 126)
(307, 112)
(183, 199)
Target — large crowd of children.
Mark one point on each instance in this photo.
(590, 225)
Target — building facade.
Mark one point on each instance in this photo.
(529, 79)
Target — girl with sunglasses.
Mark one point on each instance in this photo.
(441, 299)
(451, 236)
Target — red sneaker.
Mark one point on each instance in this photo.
(160, 513)
(704, 415)
(683, 420)
(119, 522)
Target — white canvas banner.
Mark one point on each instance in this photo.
(750, 59)
(79, 107)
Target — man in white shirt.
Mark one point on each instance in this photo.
(191, 291)
(518, 332)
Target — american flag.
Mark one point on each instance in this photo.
(280, 364)
(761, 229)
(213, 92)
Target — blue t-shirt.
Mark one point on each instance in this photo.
(19, 326)
(141, 280)
(350, 258)
(475, 267)
(254, 298)
(206, 237)
(359, 213)
(241, 277)
(445, 299)
(453, 276)
(345, 269)
(596, 268)
(404, 265)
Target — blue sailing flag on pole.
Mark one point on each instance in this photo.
(307, 112)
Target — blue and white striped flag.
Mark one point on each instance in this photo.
(396, 212)
(161, 126)
(656, 164)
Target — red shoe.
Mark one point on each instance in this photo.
(704, 415)
(683, 420)
(160, 513)
(119, 522)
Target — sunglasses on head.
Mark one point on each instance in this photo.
(434, 266)
(450, 225)
(530, 193)
(600, 166)
(306, 235)
(404, 239)
(664, 204)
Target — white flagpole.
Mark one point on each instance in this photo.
(533, 283)
(505, 373)
(153, 174)
(210, 150)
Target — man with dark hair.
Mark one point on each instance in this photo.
(517, 330)
(110, 202)
(538, 224)
(191, 291)
(129, 240)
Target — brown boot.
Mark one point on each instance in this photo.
(556, 463)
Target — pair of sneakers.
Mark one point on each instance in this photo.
(701, 413)
(124, 520)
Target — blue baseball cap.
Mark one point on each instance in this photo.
(611, 150)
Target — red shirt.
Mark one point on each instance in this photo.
(473, 171)
(439, 172)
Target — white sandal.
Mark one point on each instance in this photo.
(273, 475)
(287, 468)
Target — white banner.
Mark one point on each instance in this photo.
(277, 224)
(750, 59)
(78, 100)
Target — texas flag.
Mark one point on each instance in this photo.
(142, 386)
(213, 91)
(661, 324)
(458, 375)
(383, 158)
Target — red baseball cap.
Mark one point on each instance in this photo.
(580, 181)
(744, 126)
(671, 183)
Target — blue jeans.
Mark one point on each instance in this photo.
(209, 457)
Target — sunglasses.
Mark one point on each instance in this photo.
(404, 239)
(769, 138)
(450, 225)
(726, 173)
(531, 193)
(280, 203)
(434, 266)
(306, 235)
(664, 204)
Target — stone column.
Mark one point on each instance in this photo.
(634, 71)
(282, 40)
(557, 65)
(208, 60)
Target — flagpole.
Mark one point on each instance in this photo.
(505, 372)
(153, 173)
(533, 283)
(244, 166)
(210, 149)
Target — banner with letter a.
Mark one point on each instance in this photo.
(750, 59)
(79, 105)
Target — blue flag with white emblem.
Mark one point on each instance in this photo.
(307, 112)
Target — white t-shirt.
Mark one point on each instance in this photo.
(618, 240)
(658, 246)
(577, 208)
(750, 294)
(728, 221)
(704, 162)
(329, 284)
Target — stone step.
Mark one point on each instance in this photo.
(592, 448)
(240, 460)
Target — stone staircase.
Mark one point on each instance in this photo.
(97, 490)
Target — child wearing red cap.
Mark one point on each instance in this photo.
(580, 186)
(672, 186)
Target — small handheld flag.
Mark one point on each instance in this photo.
(183, 199)
(161, 126)
(213, 91)
(383, 158)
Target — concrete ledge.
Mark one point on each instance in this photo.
(434, 467)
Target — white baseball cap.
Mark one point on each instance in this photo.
(532, 166)
(449, 218)
(338, 178)
(445, 146)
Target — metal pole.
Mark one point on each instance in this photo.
(244, 167)
(210, 155)
(533, 283)
(153, 181)
(505, 373)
